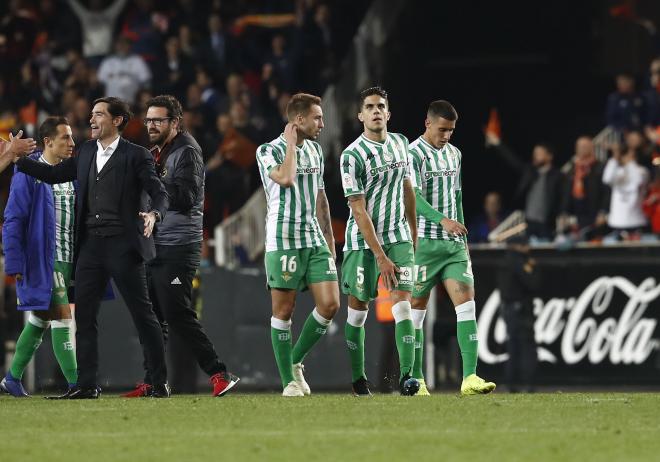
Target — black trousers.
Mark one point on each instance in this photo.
(99, 259)
(170, 278)
(521, 345)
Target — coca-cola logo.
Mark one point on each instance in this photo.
(589, 327)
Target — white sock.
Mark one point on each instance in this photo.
(418, 318)
(38, 322)
(279, 324)
(320, 319)
(356, 318)
(466, 311)
(61, 323)
(401, 311)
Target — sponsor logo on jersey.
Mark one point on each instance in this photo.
(435, 173)
(308, 170)
(393, 166)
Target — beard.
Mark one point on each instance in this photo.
(157, 138)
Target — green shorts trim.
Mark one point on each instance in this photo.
(61, 281)
(437, 260)
(359, 271)
(296, 269)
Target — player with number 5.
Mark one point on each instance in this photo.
(300, 246)
(380, 235)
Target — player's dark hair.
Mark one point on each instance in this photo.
(377, 90)
(300, 104)
(48, 129)
(171, 104)
(117, 108)
(442, 108)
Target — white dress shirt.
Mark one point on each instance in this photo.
(628, 183)
(103, 155)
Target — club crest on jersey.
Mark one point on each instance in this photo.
(163, 172)
(286, 276)
(303, 161)
(387, 156)
(443, 164)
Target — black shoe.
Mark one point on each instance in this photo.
(361, 387)
(64, 396)
(408, 386)
(160, 391)
(84, 393)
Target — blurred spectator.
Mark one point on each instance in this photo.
(144, 27)
(282, 61)
(518, 282)
(18, 30)
(485, 222)
(539, 189)
(626, 109)
(216, 49)
(98, 25)
(124, 73)
(653, 95)
(584, 195)
(651, 204)
(175, 72)
(628, 181)
(78, 117)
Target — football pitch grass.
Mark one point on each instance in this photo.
(333, 427)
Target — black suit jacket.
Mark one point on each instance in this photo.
(136, 173)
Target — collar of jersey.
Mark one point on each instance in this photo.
(430, 146)
(297, 147)
(375, 142)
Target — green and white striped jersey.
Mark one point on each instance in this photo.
(377, 170)
(291, 221)
(438, 175)
(64, 199)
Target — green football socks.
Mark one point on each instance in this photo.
(27, 344)
(418, 324)
(354, 332)
(404, 333)
(280, 335)
(63, 349)
(314, 328)
(466, 333)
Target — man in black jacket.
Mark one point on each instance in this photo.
(178, 238)
(112, 237)
(584, 194)
(539, 187)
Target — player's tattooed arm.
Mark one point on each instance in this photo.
(387, 268)
(323, 215)
(409, 205)
(285, 173)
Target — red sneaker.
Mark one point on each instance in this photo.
(223, 382)
(141, 390)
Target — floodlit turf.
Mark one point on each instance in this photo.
(266, 427)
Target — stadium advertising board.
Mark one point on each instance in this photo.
(596, 319)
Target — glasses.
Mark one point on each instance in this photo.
(157, 121)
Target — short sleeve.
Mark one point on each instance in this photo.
(267, 158)
(416, 168)
(352, 170)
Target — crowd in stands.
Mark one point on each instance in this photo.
(589, 199)
(233, 64)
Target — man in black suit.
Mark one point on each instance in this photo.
(112, 237)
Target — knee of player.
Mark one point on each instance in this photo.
(329, 309)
